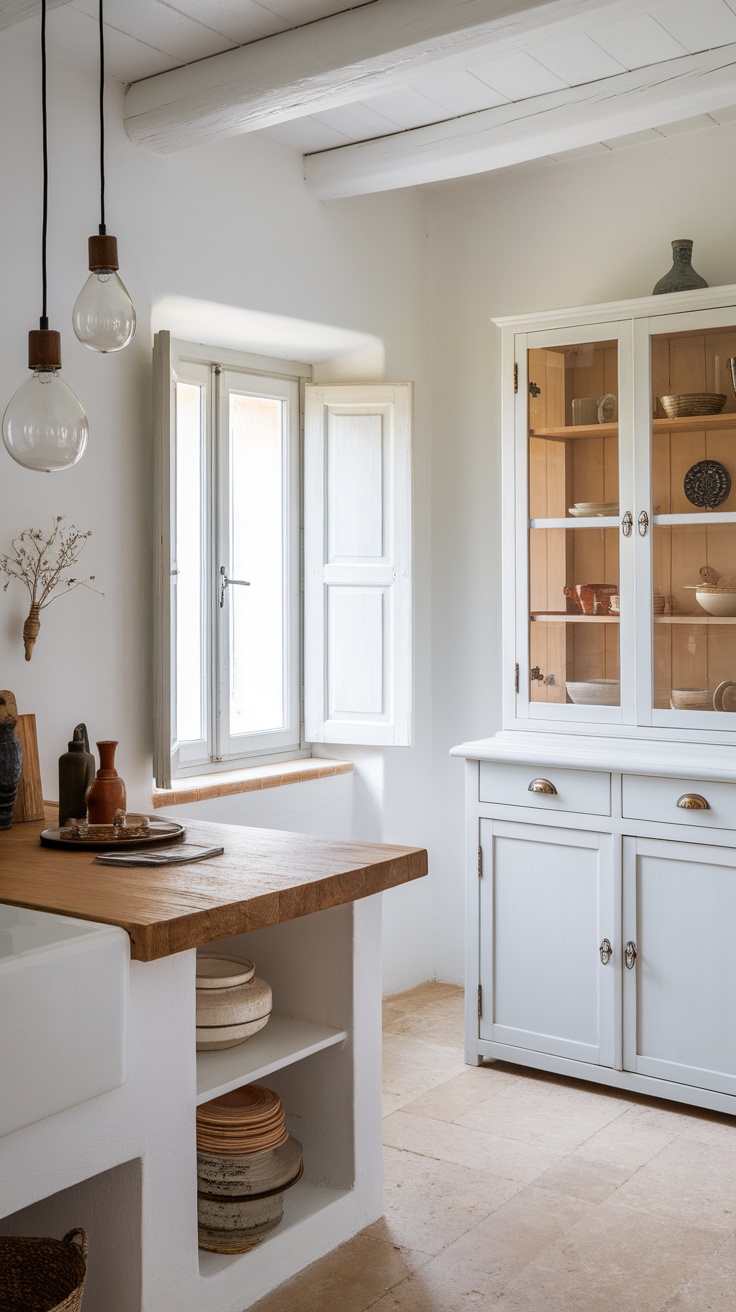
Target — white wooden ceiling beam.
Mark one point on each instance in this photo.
(529, 129)
(337, 61)
(17, 11)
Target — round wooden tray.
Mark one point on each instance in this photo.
(161, 831)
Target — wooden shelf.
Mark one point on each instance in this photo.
(283, 1041)
(687, 424)
(695, 619)
(555, 617)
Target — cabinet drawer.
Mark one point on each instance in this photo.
(586, 791)
(652, 798)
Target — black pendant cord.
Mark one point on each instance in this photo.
(102, 123)
(45, 222)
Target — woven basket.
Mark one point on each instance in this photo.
(43, 1275)
(687, 404)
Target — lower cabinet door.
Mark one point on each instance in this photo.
(679, 914)
(546, 905)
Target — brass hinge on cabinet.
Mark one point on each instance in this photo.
(516, 678)
(480, 1002)
(516, 377)
(480, 862)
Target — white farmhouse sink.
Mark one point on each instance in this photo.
(63, 1013)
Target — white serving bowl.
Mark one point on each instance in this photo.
(717, 601)
(595, 692)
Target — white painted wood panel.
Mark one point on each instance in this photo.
(651, 798)
(517, 77)
(357, 560)
(546, 901)
(697, 26)
(578, 59)
(680, 996)
(637, 41)
(577, 790)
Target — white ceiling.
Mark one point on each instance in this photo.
(147, 37)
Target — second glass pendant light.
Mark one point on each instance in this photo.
(103, 317)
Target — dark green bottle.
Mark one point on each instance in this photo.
(76, 772)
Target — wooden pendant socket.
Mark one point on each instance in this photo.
(44, 349)
(103, 253)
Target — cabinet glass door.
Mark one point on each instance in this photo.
(576, 597)
(693, 459)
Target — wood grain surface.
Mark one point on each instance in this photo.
(29, 802)
(265, 876)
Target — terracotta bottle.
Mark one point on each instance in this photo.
(106, 794)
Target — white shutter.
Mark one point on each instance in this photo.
(163, 675)
(357, 562)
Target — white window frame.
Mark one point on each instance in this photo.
(351, 507)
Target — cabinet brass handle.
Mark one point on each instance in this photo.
(606, 951)
(627, 524)
(693, 802)
(542, 786)
(630, 955)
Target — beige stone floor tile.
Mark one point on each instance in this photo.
(428, 1204)
(546, 1113)
(633, 1138)
(452, 1099)
(691, 1182)
(713, 1287)
(411, 1068)
(511, 1159)
(710, 1129)
(617, 1260)
(472, 1272)
(588, 1181)
(414, 1002)
(349, 1279)
(440, 1020)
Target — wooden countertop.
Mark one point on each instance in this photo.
(265, 876)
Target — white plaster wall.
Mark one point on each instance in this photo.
(231, 223)
(592, 229)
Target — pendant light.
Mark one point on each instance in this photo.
(44, 426)
(104, 315)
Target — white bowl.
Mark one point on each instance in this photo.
(717, 601)
(595, 692)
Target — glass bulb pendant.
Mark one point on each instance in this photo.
(44, 425)
(104, 316)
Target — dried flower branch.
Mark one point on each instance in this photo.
(40, 562)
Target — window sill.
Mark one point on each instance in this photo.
(201, 787)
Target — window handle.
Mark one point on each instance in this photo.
(225, 582)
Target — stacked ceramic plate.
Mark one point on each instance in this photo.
(232, 1003)
(246, 1160)
(583, 509)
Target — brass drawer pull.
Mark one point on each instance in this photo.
(630, 955)
(543, 786)
(693, 802)
(606, 951)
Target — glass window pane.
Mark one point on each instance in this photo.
(694, 616)
(188, 556)
(257, 426)
(574, 524)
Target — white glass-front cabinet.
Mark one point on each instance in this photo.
(601, 821)
(618, 511)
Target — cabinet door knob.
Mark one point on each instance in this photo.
(541, 786)
(693, 802)
(606, 951)
(630, 955)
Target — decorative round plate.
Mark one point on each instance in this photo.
(707, 484)
(724, 697)
(161, 831)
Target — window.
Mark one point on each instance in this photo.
(230, 660)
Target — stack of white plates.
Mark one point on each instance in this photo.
(582, 509)
(232, 1003)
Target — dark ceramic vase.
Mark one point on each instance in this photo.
(11, 760)
(682, 276)
(106, 794)
(76, 775)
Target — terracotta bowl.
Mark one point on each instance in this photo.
(592, 598)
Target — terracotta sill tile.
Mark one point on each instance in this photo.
(201, 788)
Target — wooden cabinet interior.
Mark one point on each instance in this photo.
(565, 469)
